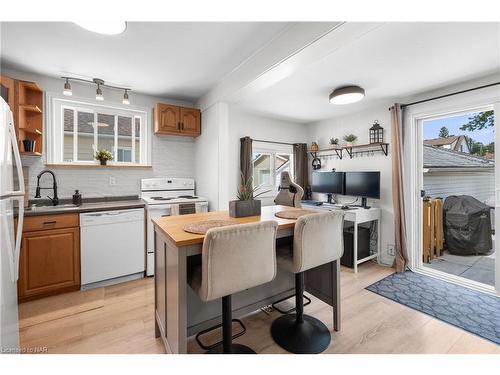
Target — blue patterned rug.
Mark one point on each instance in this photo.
(475, 312)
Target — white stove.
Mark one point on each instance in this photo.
(167, 197)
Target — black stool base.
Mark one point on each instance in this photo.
(309, 337)
(235, 349)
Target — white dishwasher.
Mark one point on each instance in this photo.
(112, 246)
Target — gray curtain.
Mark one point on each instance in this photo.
(300, 172)
(246, 157)
(401, 260)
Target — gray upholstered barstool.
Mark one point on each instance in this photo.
(318, 240)
(234, 258)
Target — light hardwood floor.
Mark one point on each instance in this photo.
(122, 322)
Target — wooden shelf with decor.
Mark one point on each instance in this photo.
(29, 116)
(352, 150)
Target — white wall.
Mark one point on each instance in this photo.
(359, 124)
(218, 148)
(171, 156)
(210, 154)
(243, 124)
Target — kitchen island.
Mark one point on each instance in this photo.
(179, 313)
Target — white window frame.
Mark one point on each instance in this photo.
(271, 149)
(55, 129)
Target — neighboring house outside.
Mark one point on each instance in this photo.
(88, 143)
(262, 168)
(448, 172)
(453, 142)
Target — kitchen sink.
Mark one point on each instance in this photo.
(36, 207)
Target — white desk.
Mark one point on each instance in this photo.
(356, 215)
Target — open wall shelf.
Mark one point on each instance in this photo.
(352, 150)
(29, 121)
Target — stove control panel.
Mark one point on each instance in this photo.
(162, 183)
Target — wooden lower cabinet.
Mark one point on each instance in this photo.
(49, 262)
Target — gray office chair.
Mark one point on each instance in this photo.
(289, 193)
(317, 240)
(234, 258)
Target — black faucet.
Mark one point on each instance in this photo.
(55, 200)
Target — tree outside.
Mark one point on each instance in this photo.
(444, 132)
(479, 121)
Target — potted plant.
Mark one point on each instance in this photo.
(314, 147)
(334, 142)
(246, 204)
(103, 156)
(350, 139)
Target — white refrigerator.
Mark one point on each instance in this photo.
(10, 237)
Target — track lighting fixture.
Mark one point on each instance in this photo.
(67, 88)
(125, 98)
(98, 92)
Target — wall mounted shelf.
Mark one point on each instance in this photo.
(352, 150)
(28, 117)
(338, 152)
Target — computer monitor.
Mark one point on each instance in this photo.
(363, 184)
(328, 183)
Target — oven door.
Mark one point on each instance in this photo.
(154, 211)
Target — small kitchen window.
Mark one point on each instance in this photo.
(78, 129)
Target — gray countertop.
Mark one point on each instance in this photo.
(42, 207)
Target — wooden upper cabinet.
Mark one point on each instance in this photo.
(191, 121)
(167, 118)
(174, 120)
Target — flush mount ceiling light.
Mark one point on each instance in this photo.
(98, 93)
(347, 95)
(104, 27)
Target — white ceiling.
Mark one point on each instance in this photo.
(185, 60)
(396, 60)
(171, 59)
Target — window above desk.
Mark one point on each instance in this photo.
(269, 161)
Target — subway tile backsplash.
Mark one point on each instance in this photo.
(171, 156)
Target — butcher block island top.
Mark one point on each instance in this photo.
(172, 226)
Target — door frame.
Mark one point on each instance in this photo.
(413, 145)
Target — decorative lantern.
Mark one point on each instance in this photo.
(376, 133)
(314, 147)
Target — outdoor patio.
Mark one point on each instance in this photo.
(480, 268)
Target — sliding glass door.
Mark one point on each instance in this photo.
(454, 192)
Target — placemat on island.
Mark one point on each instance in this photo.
(294, 213)
(201, 227)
